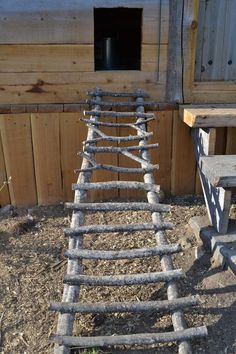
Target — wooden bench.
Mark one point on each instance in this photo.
(217, 172)
(220, 170)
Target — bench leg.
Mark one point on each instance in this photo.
(218, 201)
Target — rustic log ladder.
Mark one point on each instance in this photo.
(74, 278)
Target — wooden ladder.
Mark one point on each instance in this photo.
(74, 278)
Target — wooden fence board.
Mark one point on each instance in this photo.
(183, 161)
(46, 144)
(72, 133)
(17, 147)
(162, 134)
(231, 141)
(4, 194)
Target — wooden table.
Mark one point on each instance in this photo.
(217, 172)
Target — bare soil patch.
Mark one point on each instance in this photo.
(33, 266)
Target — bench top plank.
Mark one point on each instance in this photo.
(220, 170)
(196, 116)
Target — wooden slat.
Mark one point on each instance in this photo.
(72, 133)
(45, 22)
(231, 141)
(174, 68)
(18, 154)
(46, 143)
(46, 58)
(220, 170)
(162, 133)
(208, 136)
(68, 87)
(209, 115)
(150, 60)
(183, 160)
(4, 194)
(70, 22)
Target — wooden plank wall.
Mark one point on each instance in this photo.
(39, 153)
(47, 51)
(43, 172)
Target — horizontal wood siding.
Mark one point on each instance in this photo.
(47, 51)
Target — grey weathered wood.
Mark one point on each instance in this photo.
(126, 254)
(101, 93)
(119, 114)
(144, 163)
(215, 41)
(71, 293)
(90, 229)
(217, 199)
(122, 307)
(109, 206)
(175, 56)
(126, 279)
(109, 149)
(43, 22)
(220, 170)
(117, 185)
(178, 319)
(108, 124)
(131, 339)
(119, 139)
(149, 104)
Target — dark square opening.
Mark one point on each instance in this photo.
(117, 34)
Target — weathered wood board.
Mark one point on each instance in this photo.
(183, 161)
(209, 116)
(162, 128)
(46, 144)
(4, 193)
(220, 170)
(58, 22)
(72, 134)
(71, 87)
(18, 154)
(46, 58)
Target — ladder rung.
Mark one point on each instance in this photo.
(153, 105)
(117, 185)
(130, 339)
(125, 254)
(122, 307)
(119, 169)
(124, 279)
(118, 206)
(117, 228)
(108, 124)
(101, 93)
(119, 114)
(110, 149)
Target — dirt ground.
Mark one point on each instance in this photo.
(32, 270)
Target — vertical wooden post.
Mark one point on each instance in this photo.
(174, 66)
